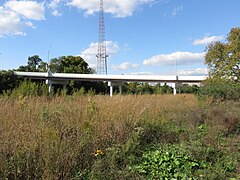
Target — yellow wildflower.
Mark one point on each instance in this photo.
(99, 152)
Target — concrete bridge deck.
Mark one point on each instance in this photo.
(63, 78)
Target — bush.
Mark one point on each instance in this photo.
(167, 162)
(28, 88)
(220, 89)
(7, 81)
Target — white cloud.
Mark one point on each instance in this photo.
(182, 58)
(30, 24)
(28, 9)
(141, 73)
(173, 11)
(176, 10)
(15, 16)
(89, 54)
(56, 13)
(207, 39)
(54, 4)
(193, 72)
(119, 8)
(10, 23)
(124, 66)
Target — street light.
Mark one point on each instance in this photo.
(176, 62)
(48, 63)
(49, 52)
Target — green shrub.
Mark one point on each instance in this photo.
(220, 89)
(167, 162)
(7, 81)
(28, 88)
(79, 92)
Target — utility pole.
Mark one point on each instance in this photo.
(101, 54)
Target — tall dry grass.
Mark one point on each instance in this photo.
(52, 138)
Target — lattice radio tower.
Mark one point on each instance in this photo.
(101, 54)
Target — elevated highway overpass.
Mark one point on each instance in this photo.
(63, 78)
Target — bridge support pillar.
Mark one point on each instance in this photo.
(49, 87)
(174, 89)
(115, 83)
(51, 82)
(110, 84)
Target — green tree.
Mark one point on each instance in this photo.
(76, 64)
(144, 88)
(186, 88)
(34, 64)
(165, 89)
(70, 64)
(223, 59)
(132, 88)
(42, 67)
(7, 81)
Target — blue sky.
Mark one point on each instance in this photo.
(143, 36)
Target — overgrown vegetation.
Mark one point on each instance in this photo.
(123, 137)
(220, 89)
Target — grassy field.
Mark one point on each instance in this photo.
(137, 137)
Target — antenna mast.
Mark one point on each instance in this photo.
(102, 54)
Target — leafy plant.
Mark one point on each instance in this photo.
(220, 89)
(28, 88)
(170, 161)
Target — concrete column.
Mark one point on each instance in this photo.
(110, 84)
(174, 89)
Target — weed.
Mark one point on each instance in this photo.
(167, 162)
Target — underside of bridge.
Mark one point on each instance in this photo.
(113, 80)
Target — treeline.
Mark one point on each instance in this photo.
(64, 64)
(12, 85)
(158, 88)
